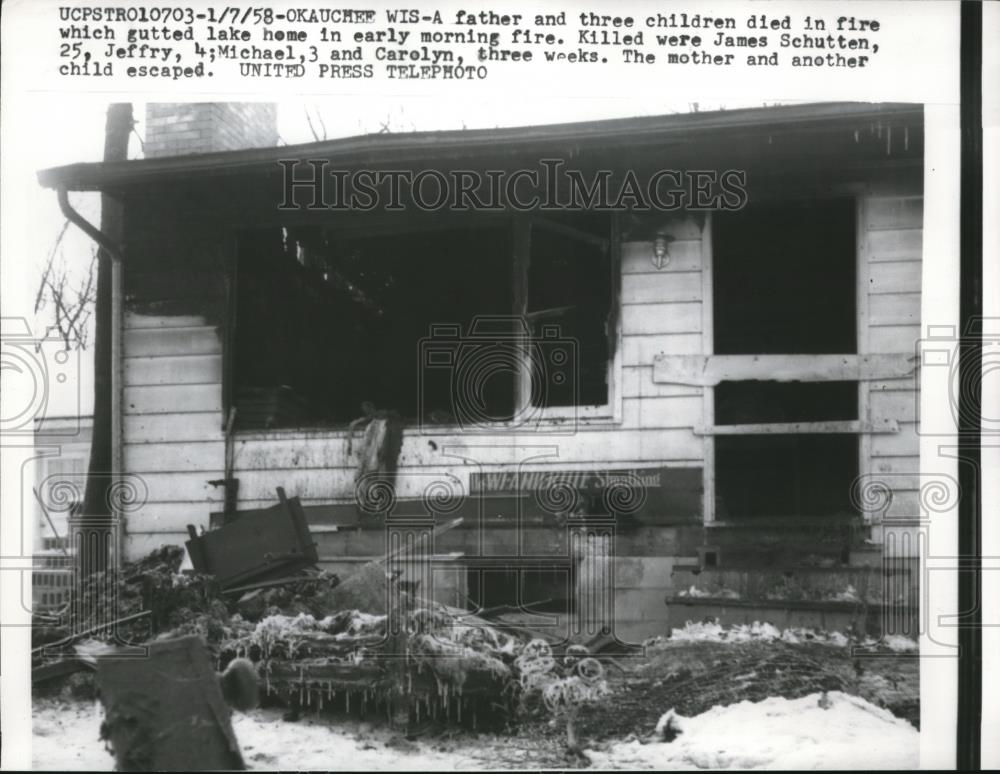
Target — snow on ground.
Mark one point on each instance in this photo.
(713, 631)
(819, 731)
(65, 737)
(899, 643)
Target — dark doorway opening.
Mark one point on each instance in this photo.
(798, 476)
(784, 278)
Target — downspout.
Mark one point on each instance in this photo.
(114, 252)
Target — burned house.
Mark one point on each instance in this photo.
(626, 416)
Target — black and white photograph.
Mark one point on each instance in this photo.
(523, 387)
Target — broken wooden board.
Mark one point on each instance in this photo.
(166, 712)
(708, 371)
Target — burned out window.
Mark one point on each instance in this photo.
(569, 309)
(440, 324)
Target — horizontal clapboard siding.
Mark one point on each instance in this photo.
(661, 313)
(172, 426)
(148, 400)
(892, 229)
(172, 429)
(172, 370)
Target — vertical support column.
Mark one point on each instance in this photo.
(863, 271)
(592, 544)
(410, 552)
(708, 393)
(94, 543)
(117, 356)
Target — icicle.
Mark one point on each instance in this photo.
(459, 716)
(347, 701)
(906, 138)
(856, 137)
(417, 711)
(888, 141)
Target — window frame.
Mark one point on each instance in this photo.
(609, 413)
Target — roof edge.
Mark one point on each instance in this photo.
(96, 176)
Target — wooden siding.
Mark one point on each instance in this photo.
(890, 230)
(172, 428)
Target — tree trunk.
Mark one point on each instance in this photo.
(94, 544)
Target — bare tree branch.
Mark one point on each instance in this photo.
(48, 266)
(322, 123)
(72, 307)
(316, 135)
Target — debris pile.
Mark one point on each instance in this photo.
(428, 663)
(133, 603)
(317, 643)
(563, 686)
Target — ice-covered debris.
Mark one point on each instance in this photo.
(897, 643)
(777, 733)
(364, 623)
(695, 593)
(713, 631)
(850, 594)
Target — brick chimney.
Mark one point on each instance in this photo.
(180, 128)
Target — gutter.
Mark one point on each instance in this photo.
(113, 251)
